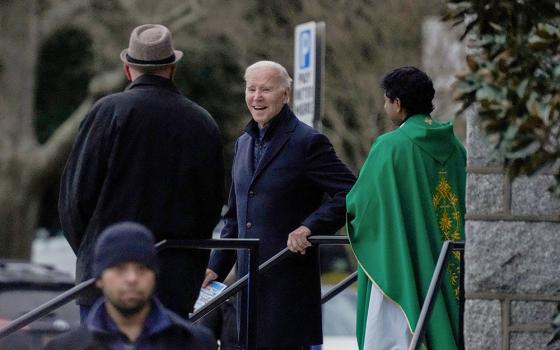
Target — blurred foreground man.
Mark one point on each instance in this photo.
(147, 155)
(281, 171)
(408, 200)
(128, 316)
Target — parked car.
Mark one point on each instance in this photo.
(339, 321)
(25, 286)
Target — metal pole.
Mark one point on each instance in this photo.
(342, 285)
(430, 297)
(330, 240)
(252, 299)
(461, 298)
(319, 75)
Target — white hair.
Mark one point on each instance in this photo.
(285, 78)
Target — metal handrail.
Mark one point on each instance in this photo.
(434, 287)
(69, 295)
(342, 285)
(267, 265)
(263, 268)
(216, 302)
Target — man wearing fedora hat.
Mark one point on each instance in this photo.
(128, 316)
(150, 155)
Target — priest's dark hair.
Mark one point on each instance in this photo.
(413, 87)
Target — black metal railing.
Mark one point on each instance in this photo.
(251, 244)
(251, 280)
(264, 267)
(435, 284)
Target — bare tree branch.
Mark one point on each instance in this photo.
(196, 13)
(59, 13)
(160, 11)
(50, 158)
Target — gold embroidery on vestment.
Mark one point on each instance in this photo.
(446, 205)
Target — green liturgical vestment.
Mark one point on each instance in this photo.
(408, 200)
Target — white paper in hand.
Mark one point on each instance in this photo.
(210, 292)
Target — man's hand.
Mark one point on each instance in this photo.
(297, 240)
(209, 277)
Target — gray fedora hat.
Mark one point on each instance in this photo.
(150, 46)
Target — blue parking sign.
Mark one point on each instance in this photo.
(304, 49)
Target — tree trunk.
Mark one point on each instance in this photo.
(20, 199)
(19, 195)
(26, 168)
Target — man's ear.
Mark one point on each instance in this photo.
(398, 102)
(287, 95)
(99, 283)
(126, 69)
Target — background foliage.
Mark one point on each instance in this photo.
(513, 78)
(58, 56)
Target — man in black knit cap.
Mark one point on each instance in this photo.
(128, 315)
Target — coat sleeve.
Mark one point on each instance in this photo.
(84, 174)
(222, 261)
(210, 185)
(326, 171)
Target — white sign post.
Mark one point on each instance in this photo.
(308, 72)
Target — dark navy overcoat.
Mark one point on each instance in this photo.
(286, 190)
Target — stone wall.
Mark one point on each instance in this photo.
(512, 257)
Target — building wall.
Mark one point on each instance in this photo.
(512, 255)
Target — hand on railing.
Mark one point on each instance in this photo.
(297, 240)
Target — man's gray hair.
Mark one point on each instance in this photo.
(282, 72)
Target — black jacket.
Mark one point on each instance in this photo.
(285, 191)
(149, 155)
(166, 331)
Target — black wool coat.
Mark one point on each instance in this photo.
(148, 155)
(286, 190)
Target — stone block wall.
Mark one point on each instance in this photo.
(512, 256)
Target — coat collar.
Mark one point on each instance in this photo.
(285, 120)
(147, 80)
(280, 131)
(100, 322)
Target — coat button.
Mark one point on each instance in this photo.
(251, 193)
(249, 225)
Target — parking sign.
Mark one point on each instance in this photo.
(308, 69)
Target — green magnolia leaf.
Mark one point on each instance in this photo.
(556, 72)
(522, 88)
(459, 7)
(548, 31)
(472, 62)
(496, 26)
(536, 42)
(511, 132)
(514, 78)
(525, 151)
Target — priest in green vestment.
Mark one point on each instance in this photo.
(408, 200)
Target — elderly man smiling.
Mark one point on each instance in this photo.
(281, 172)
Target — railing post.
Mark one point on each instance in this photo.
(461, 299)
(251, 336)
(430, 297)
(432, 291)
